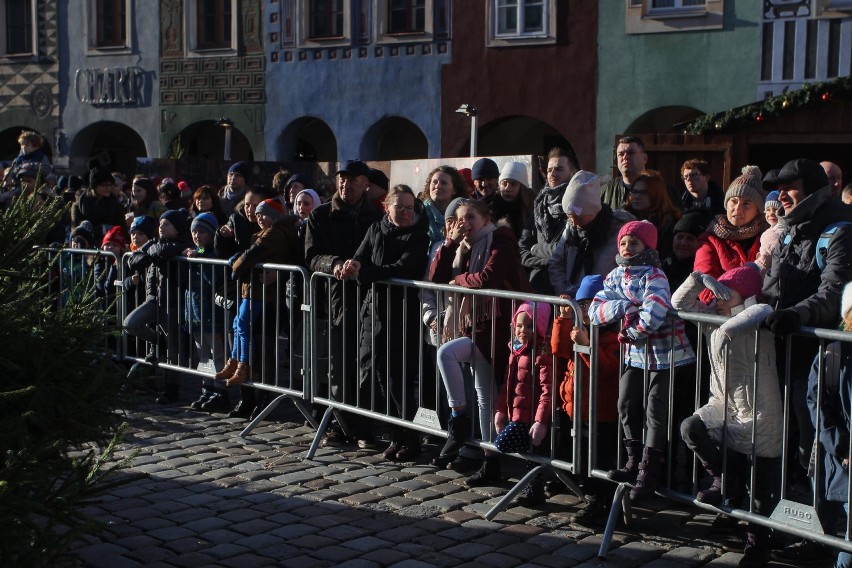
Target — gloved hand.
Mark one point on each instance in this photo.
(500, 420)
(719, 290)
(537, 432)
(623, 338)
(782, 322)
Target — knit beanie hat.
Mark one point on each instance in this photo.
(85, 231)
(694, 223)
(538, 313)
(145, 224)
(645, 231)
(240, 168)
(115, 236)
(846, 300)
(746, 280)
(484, 168)
(515, 171)
(589, 287)
(97, 176)
(205, 221)
(271, 208)
(179, 218)
(467, 177)
(304, 179)
(583, 194)
(310, 193)
(454, 205)
(748, 185)
(772, 200)
(379, 178)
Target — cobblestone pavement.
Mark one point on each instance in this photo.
(210, 498)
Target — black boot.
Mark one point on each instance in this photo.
(410, 448)
(649, 474)
(458, 432)
(218, 402)
(171, 393)
(488, 474)
(533, 494)
(206, 393)
(262, 400)
(628, 473)
(245, 406)
(756, 551)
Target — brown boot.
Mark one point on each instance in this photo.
(228, 370)
(240, 376)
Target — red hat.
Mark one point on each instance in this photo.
(746, 280)
(272, 207)
(645, 231)
(116, 237)
(183, 186)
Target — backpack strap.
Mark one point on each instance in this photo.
(824, 240)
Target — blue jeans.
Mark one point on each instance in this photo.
(248, 311)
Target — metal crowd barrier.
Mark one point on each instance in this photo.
(791, 517)
(350, 363)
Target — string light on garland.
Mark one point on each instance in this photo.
(808, 95)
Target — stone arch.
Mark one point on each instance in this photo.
(662, 119)
(518, 135)
(394, 138)
(307, 139)
(114, 145)
(205, 140)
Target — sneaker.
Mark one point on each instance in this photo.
(167, 397)
(488, 474)
(464, 464)
(334, 437)
(804, 552)
(533, 494)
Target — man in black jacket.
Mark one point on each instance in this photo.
(802, 293)
(334, 232)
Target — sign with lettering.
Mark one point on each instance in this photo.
(110, 86)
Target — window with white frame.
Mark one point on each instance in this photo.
(211, 25)
(660, 16)
(17, 27)
(406, 16)
(521, 21)
(675, 6)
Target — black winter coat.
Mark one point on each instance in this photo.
(103, 213)
(163, 277)
(334, 232)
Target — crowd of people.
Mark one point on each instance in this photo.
(771, 251)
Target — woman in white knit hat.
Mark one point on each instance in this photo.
(514, 204)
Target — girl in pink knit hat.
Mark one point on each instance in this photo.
(637, 294)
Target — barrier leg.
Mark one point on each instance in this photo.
(307, 411)
(614, 511)
(570, 483)
(323, 425)
(513, 492)
(263, 413)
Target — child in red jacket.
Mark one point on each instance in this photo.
(524, 405)
(565, 335)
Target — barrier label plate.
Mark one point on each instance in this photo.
(797, 515)
(426, 417)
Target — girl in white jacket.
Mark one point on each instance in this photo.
(737, 404)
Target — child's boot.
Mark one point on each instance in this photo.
(218, 402)
(756, 553)
(628, 473)
(241, 375)
(488, 474)
(246, 405)
(713, 494)
(228, 370)
(458, 431)
(649, 474)
(533, 494)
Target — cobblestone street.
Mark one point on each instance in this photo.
(210, 498)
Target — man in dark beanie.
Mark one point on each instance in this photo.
(485, 174)
(805, 294)
(232, 194)
(98, 205)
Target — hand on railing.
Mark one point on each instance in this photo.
(782, 322)
(350, 270)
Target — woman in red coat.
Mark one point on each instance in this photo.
(733, 239)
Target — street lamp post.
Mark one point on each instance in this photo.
(470, 111)
(227, 124)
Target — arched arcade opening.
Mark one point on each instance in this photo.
(394, 138)
(115, 146)
(518, 135)
(307, 139)
(205, 140)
